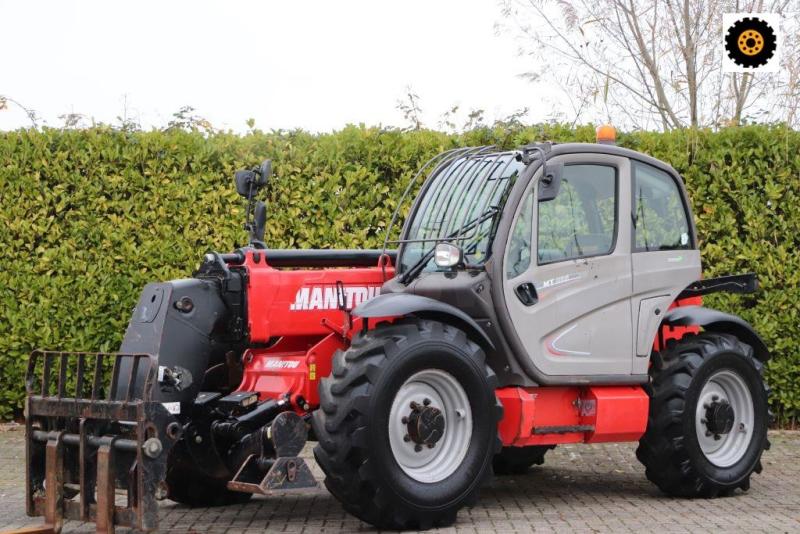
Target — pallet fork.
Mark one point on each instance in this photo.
(84, 442)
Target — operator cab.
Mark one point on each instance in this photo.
(567, 255)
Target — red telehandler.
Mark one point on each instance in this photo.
(539, 296)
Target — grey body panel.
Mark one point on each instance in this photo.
(658, 278)
(580, 325)
(718, 321)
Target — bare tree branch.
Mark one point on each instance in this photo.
(660, 60)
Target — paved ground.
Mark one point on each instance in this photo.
(597, 488)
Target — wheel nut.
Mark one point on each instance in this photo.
(742, 428)
(708, 433)
(460, 413)
(198, 439)
(716, 437)
(703, 421)
(714, 397)
(431, 445)
(404, 420)
(417, 447)
(426, 402)
(414, 405)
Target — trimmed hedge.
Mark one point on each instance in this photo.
(89, 216)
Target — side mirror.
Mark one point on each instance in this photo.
(550, 183)
(447, 255)
(259, 222)
(246, 183)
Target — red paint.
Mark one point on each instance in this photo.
(300, 342)
(616, 413)
(292, 366)
(677, 332)
(620, 413)
(293, 315)
(271, 293)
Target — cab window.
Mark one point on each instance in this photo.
(518, 258)
(660, 221)
(581, 221)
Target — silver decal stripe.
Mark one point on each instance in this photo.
(557, 281)
(552, 347)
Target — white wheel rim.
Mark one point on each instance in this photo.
(725, 449)
(445, 394)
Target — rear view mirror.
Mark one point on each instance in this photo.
(550, 183)
(246, 183)
(250, 181)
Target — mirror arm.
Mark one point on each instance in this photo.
(525, 157)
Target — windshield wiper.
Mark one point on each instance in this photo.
(415, 270)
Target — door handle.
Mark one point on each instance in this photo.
(526, 293)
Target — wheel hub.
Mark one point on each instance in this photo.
(724, 418)
(720, 417)
(425, 424)
(430, 425)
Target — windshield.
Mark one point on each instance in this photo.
(458, 206)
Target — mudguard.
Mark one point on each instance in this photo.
(711, 319)
(402, 304)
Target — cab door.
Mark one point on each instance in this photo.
(567, 270)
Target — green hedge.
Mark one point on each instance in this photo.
(89, 216)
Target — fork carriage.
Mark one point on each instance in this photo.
(83, 443)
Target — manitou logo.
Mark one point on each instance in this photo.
(326, 297)
(273, 363)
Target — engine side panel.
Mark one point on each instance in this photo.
(300, 302)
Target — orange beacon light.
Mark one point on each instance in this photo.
(606, 134)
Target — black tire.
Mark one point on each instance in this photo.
(517, 460)
(352, 424)
(187, 485)
(670, 449)
(736, 41)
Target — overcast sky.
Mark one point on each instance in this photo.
(310, 64)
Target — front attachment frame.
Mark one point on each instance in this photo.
(92, 452)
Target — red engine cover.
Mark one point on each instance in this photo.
(295, 314)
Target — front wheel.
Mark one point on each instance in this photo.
(407, 426)
(708, 417)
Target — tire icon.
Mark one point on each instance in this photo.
(750, 42)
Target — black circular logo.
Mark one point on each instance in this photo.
(750, 42)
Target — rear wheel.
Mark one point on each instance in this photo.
(408, 425)
(708, 417)
(517, 460)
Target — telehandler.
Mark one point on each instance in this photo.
(540, 296)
